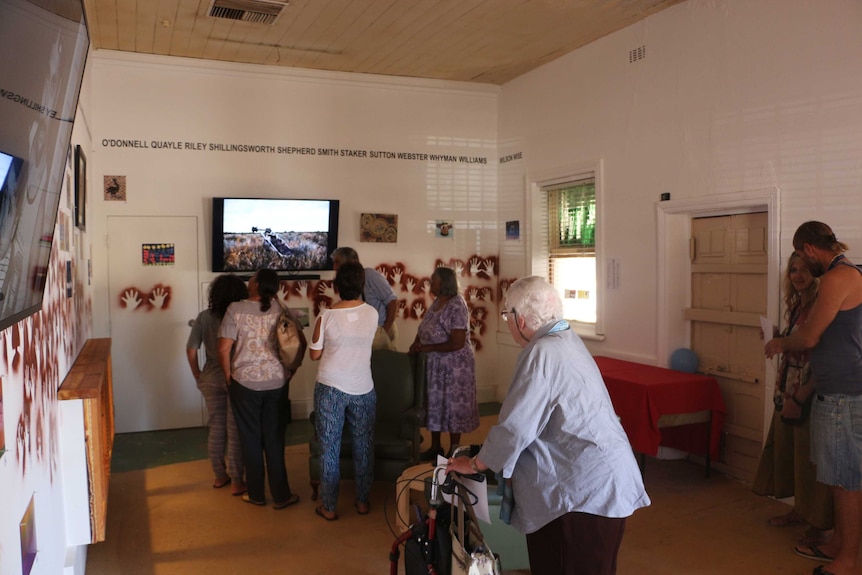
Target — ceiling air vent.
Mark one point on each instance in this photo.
(257, 11)
(636, 54)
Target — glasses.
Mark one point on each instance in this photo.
(505, 314)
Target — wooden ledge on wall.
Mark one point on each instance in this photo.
(90, 380)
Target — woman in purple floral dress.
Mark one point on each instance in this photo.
(444, 334)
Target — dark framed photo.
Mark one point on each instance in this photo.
(80, 188)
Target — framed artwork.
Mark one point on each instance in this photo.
(68, 278)
(445, 229)
(378, 228)
(513, 230)
(80, 188)
(2, 425)
(28, 537)
(158, 254)
(61, 229)
(115, 188)
(69, 193)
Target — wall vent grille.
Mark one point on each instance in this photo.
(636, 54)
(256, 11)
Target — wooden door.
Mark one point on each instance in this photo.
(153, 285)
(729, 294)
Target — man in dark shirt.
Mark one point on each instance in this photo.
(833, 333)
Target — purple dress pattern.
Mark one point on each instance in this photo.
(450, 376)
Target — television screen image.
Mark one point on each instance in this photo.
(43, 50)
(286, 235)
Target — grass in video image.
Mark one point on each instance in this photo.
(283, 250)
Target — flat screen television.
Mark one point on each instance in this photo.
(43, 50)
(282, 234)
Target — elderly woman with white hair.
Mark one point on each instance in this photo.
(574, 476)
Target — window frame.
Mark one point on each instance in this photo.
(538, 251)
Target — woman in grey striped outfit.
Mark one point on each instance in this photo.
(225, 290)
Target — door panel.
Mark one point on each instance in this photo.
(750, 293)
(729, 294)
(711, 291)
(151, 304)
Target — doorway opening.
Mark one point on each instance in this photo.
(674, 230)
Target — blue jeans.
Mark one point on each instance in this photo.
(836, 446)
(332, 408)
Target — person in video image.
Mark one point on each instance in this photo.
(444, 334)
(379, 295)
(574, 476)
(785, 467)
(833, 333)
(257, 388)
(223, 291)
(344, 394)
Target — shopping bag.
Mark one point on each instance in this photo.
(470, 553)
(290, 339)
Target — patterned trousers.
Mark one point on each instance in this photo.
(222, 430)
(332, 408)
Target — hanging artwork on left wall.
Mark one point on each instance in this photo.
(2, 424)
(28, 537)
(80, 188)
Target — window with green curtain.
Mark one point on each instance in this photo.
(572, 246)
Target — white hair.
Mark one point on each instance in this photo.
(535, 300)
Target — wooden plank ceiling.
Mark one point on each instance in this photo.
(487, 41)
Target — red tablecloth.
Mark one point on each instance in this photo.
(641, 394)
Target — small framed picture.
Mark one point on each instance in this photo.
(445, 229)
(513, 230)
(115, 188)
(80, 188)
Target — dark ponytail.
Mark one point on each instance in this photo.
(267, 287)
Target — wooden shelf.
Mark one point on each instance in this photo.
(90, 380)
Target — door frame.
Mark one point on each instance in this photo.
(112, 319)
(674, 266)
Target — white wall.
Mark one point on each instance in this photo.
(43, 447)
(733, 95)
(167, 99)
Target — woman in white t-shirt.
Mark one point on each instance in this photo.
(344, 392)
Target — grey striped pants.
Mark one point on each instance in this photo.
(222, 432)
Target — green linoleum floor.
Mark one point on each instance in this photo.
(142, 450)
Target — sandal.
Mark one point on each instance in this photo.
(813, 552)
(287, 502)
(247, 499)
(322, 512)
